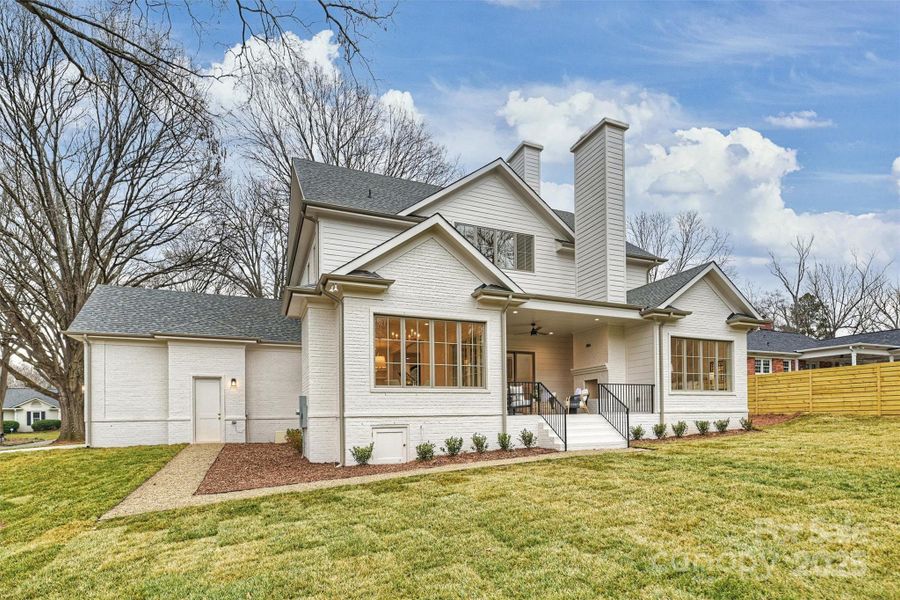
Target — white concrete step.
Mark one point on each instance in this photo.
(583, 432)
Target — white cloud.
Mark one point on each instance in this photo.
(895, 171)
(401, 100)
(800, 119)
(559, 195)
(225, 88)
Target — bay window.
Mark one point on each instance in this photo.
(413, 352)
(701, 365)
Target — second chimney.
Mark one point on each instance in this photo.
(600, 212)
(526, 161)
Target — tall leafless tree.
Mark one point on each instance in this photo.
(793, 279)
(885, 313)
(100, 177)
(683, 238)
(843, 289)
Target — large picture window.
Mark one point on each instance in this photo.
(412, 352)
(506, 249)
(701, 365)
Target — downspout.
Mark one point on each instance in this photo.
(88, 405)
(341, 434)
(660, 371)
(503, 393)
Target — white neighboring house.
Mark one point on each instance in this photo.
(428, 312)
(27, 406)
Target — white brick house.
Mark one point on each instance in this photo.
(433, 311)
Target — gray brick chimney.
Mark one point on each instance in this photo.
(526, 161)
(600, 212)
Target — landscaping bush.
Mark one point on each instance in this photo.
(10, 426)
(527, 438)
(425, 451)
(362, 454)
(504, 440)
(637, 432)
(702, 427)
(722, 425)
(479, 443)
(659, 430)
(452, 446)
(747, 424)
(46, 425)
(679, 428)
(295, 439)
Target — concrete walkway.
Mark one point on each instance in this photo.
(41, 445)
(174, 485)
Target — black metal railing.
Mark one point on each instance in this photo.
(533, 398)
(638, 397)
(614, 411)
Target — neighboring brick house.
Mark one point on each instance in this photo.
(771, 351)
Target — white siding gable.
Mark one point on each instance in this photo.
(491, 201)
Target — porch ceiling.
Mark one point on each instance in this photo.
(519, 320)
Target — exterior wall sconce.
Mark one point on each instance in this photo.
(233, 383)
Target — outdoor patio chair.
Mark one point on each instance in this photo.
(517, 400)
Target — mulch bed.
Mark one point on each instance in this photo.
(251, 466)
(759, 421)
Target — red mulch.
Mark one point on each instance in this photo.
(251, 466)
(759, 421)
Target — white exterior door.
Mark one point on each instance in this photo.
(390, 446)
(207, 410)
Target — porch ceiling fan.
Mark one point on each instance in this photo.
(535, 330)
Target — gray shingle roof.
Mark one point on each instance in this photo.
(143, 312)
(358, 189)
(16, 396)
(630, 249)
(765, 340)
(361, 190)
(657, 292)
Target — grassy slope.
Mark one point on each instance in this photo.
(808, 509)
(49, 497)
(34, 435)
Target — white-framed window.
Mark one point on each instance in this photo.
(787, 366)
(762, 366)
(414, 352)
(506, 249)
(34, 415)
(700, 365)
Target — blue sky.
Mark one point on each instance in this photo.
(791, 111)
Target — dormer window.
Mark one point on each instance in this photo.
(506, 249)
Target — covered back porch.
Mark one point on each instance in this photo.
(581, 368)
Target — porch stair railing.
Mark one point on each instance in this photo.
(638, 397)
(614, 411)
(533, 397)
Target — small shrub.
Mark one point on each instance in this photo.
(527, 438)
(46, 425)
(659, 430)
(722, 425)
(10, 426)
(637, 432)
(479, 443)
(362, 454)
(702, 427)
(504, 440)
(452, 446)
(295, 439)
(425, 451)
(747, 424)
(679, 429)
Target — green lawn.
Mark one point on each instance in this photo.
(810, 508)
(34, 436)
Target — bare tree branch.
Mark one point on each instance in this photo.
(683, 238)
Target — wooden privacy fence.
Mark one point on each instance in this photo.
(862, 390)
